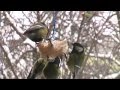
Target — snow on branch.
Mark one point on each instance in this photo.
(112, 76)
(9, 58)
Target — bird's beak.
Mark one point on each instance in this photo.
(24, 33)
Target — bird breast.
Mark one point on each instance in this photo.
(59, 48)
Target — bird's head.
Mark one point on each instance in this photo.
(77, 47)
(36, 32)
(35, 27)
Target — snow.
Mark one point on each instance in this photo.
(6, 48)
(8, 52)
(100, 41)
(23, 63)
(28, 41)
(16, 36)
(112, 76)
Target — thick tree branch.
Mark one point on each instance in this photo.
(8, 59)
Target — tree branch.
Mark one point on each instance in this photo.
(8, 59)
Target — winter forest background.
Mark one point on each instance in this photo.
(98, 31)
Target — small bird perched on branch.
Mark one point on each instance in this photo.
(37, 69)
(59, 48)
(45, 70)
(38, 32)
(76, 58)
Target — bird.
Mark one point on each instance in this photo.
(45, 69)
(37, 69)
(76, 58)
(88, 15)
(60, 48)
(52, 69)
(38, 32)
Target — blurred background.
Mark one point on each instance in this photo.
(97, 31)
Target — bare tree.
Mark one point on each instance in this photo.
(97, 31)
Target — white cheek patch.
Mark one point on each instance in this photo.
(80, 49)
